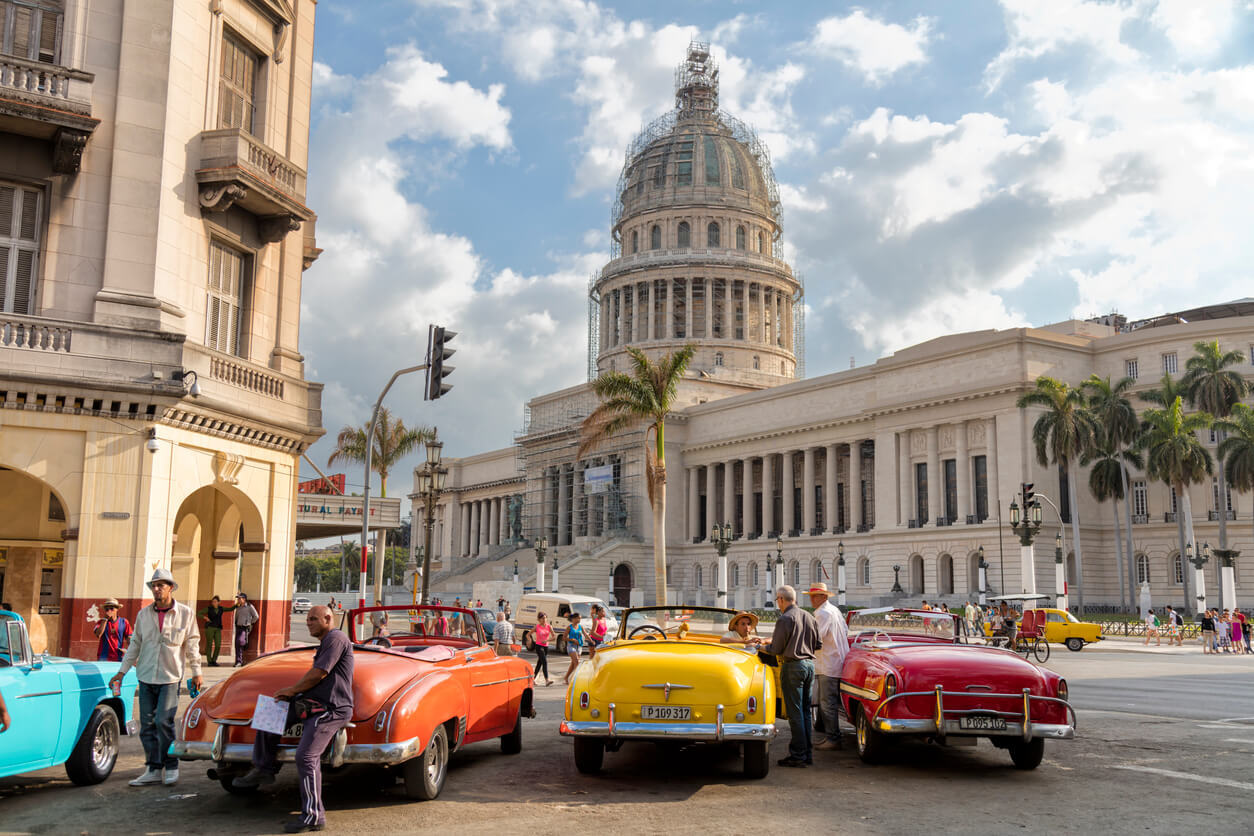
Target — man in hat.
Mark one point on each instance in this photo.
(165, 641)
(828, 660)
(741, 630)
(113, 632)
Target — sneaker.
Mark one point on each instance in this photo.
(150, 776)
(171, 776)
(254, 778)
(828, 745)
(297, 825)
(791, 761)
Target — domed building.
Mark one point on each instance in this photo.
(696, 232)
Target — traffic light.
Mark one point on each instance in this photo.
(1028, 494)
(437, 352)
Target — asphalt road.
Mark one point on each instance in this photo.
(1165, 745)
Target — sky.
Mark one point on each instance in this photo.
(944, 167)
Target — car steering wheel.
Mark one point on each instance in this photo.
(381, 641)
(647, 627)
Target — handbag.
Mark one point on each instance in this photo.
(302, 709)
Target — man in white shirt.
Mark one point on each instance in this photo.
(834, 635)
(503, 636)
(165, 642)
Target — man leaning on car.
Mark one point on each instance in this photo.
(794, 643)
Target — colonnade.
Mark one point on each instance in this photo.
(574, 505)
(482, 523)
(696, 308)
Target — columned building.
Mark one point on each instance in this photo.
(153, 235)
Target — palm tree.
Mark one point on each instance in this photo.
(1063, 434)
(1175, 456)
(1213, 387)
(647, 394)
(392, 442)
(1108, 479)
(1236, 451)
(1117, 416)
(1168, 390)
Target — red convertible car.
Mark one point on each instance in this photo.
(429, 687)
(907, 675)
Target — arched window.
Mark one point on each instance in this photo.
(761, 242)
(864, 571)
(700, 577)
(740, 237)
(635, 241)
(1142, 569)
(794, 572)
(685, 234)
(753, 573)
(816, 572)
(655, 238)
(711, 235)
(1178, 569)
(757, 362)
(735, 574)
(718, 359)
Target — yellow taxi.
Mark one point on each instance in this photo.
(1061, 627)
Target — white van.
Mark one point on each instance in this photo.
(558, 607)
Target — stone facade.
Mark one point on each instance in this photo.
(154, 399)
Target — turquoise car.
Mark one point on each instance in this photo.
(61, 710)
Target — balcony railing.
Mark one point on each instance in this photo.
(237, 169)
(39, 336)
(245, 377)
(48, 102)
(1213, 516)
(1140, 519)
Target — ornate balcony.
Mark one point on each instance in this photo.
(236, 169)
(48, 102)
(687, 257)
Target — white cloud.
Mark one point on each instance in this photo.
(874, 48)
(1196, 28)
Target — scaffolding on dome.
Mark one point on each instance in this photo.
(696, 83)
(594, 325)
(799, 326)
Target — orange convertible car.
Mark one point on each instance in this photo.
(426, 687)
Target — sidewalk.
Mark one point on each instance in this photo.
(1134, 644)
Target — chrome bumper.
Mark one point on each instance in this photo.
(338, 753)
(940, 725)
(716, 732)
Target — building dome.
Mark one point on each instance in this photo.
(696, 232)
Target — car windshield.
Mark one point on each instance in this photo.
(902, 624)
(407, 622)
(646, 621)
(1071, 618)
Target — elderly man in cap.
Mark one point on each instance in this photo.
(828, 661)
(164, 642)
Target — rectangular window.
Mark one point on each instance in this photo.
(1140, 498)
(223, 312)
(1170, 365)
(819, 521)
(237, 85)
(841, 518)
(981, 488)
(1215, 503)
(31, 29)
(683, 173)
(867, 518)
(1130, 368)
(951, 489)
(920, 492)
(19, 246)
(1174, 502)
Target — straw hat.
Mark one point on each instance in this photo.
(112, 602)
(753, 620)
(819, 589)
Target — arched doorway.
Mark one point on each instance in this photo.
(916, 575)
(622, 585)
(945, 575)
(973, 573)
(33, 524)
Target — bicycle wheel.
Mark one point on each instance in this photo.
(1023, 648)
(1040, 650)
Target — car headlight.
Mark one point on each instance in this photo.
(1062, 690)
(890, 685)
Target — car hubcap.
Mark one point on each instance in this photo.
(435, 761)
(104, 746)
(861, 732)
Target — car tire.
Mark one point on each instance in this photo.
(757, 759)
(871, 743)
(96, 751)
(1075, 644)
(1027, 754)
(589, 753)
(561, 645)
(424, 775)
(511, 744)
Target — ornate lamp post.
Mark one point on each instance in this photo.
(556, 588)
(430, 485)
(779, 563)
(1060, 573)
(1198, 562)
(897, 579)
(840, 573)
(983, 567)
(721, 537)
(1026, 527)
(542, 548)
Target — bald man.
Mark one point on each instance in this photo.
(328, 684)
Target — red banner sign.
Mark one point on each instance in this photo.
(333, 485)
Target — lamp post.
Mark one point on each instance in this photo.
(897, 579)
(721, 537)
(1026, 527)
(542, 548)
(515, 570)
(1060, 574)
(1227, 577)
(983, 567)
(610, 595)
(431, 478)
(556, 588)
(840, 573)
(779, 562)
(1198, 562)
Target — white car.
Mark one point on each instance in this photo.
(301, 604)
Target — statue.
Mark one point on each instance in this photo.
(515, 518)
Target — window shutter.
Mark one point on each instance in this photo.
(211, 323)
(232, 334)
(49, 36)
(8, 195)
(30, 215)
(22, 281)
(23, 21)
(4, 276)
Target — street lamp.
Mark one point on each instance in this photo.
(1198, 562)
(542, 548)
(431, 478)
(779, 562)
(1227, 576)
(721, 538)
(1026, 527)
(840, 573)
(983, 567)
(897, 578)
(1060, 573)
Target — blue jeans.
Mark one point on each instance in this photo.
(796, 678)
(829, 705)
(157, 704)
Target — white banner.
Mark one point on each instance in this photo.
(598, 479)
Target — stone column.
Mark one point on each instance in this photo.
(906, 475)
(605, 321)
(729, 310)
(710, 497)
(994, 483)
(807, 491)
(744, 311)
(694, 497)
(474, 528)
(652, 319)
(963, 466)
(768, 494)
(563, 509)
(668, 327)
(494, 527)
(546, 502)
(762, 316)
(830, 517)
(854, 490)
(746, 506)
(688, 308)
(934, 486)
(729, 493)
(708, 284)
(786, 487)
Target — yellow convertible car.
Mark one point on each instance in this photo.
(1061, 627)
(666, 676)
